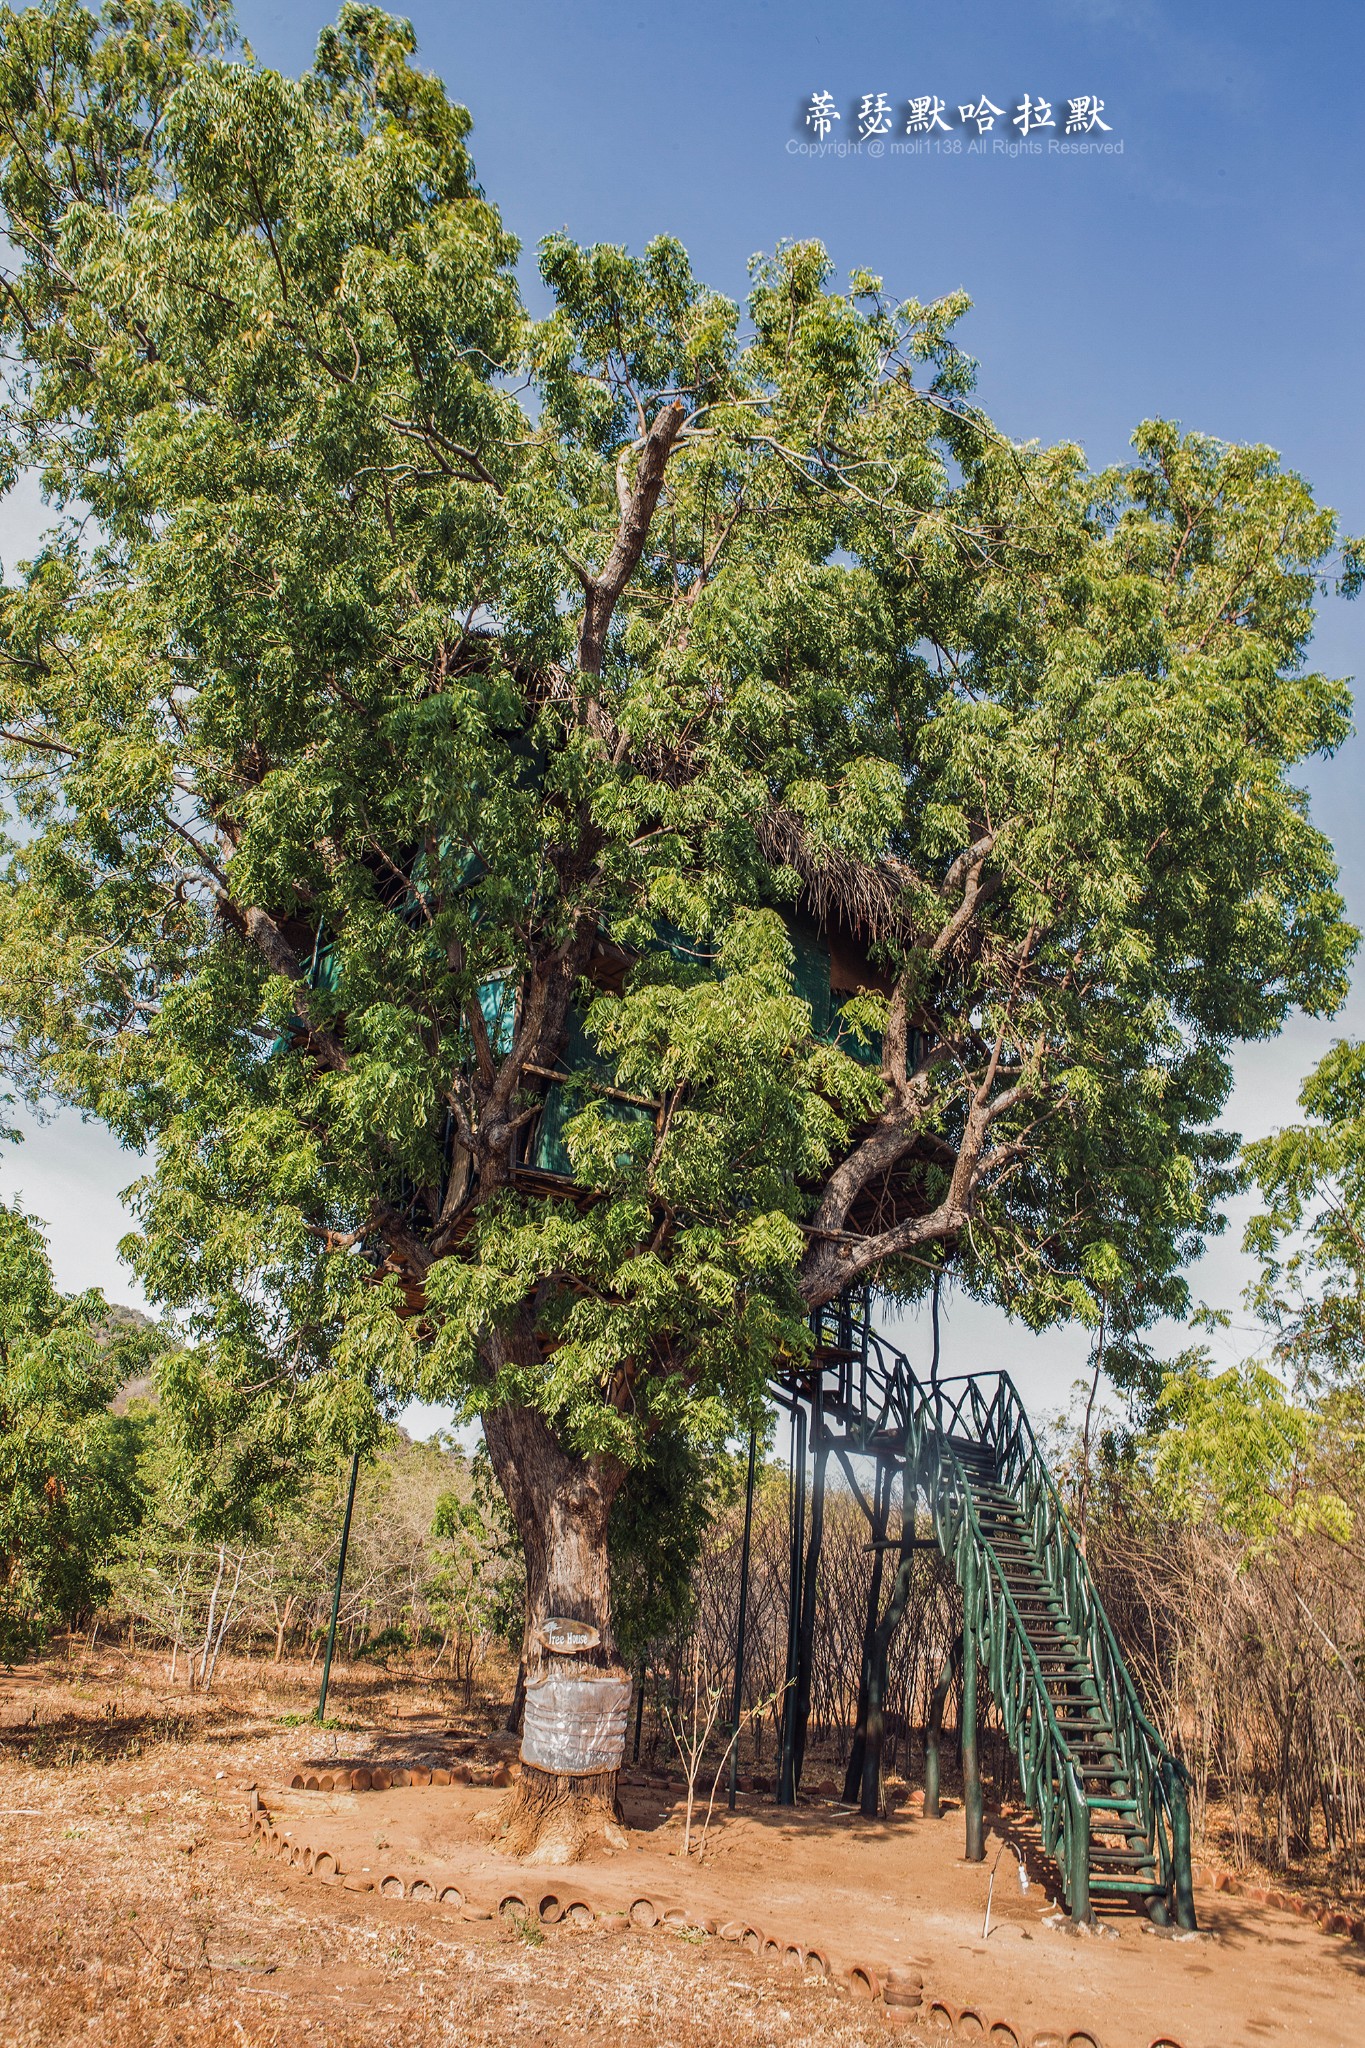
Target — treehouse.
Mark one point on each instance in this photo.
(1108, 1795)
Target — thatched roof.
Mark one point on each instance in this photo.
(867, 899)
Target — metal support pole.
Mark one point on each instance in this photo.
(881, 1502)
(786, 1787)
(933, 1728)
(738, 1702)
(639, 1714)
(805, 1649)
(871, 1799)
(321, 1714)
(971, 1761)
(933, 1316)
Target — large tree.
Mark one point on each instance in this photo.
(414, 701)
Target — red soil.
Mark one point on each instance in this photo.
(133, 1901)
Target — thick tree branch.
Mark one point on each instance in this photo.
(637, 510)
(280, 958)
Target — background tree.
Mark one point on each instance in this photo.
(69, 1484)
(413, 701)
(1310, 1236)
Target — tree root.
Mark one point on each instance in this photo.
(554, 1818)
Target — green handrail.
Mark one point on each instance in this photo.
(1157, 1779)
(995, 1632)
(878, 1386)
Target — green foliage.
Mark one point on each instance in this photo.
(501, 1575)
(361, 682)
(1310, 1237)
(69, 1484)
(659, 1522)
(1234, 1447)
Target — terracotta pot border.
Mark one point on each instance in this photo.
(565, 1905)
(1331, 1919)
(399, 1777)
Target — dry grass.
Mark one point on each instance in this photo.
(133, 1912)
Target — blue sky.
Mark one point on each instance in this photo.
(1211, 272)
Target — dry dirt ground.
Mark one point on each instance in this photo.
(137, 1906)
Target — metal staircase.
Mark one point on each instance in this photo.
(1109, 1797)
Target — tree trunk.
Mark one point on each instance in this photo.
(577, 1691)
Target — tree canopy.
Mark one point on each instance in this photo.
(415, 702)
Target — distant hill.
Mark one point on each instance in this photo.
(121, 1321)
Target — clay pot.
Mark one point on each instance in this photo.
(440, 1777)
(1002, 2035)
(361, 1781)
(400, 1777)
(324, 1864)
(817, 1962)
(863, 1980)
(1047, 2039)
(773, 1950)
(1081, 2037)
(451, 1895)
(732, 1930)
(422, 1888)
(296, 1782)
(391, 1886)
(312, 1782)
(904, 1987)
(753, 1939)
(501, 1776)
(579, 1914)
(940, 2019)
(419, 1775)
(793, 1956)
(460, 1774)
(1165, 2041)
(970, 2025)
(551, 1909)
(380, 1779)
(643, 1913)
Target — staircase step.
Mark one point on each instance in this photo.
(1103, 1802)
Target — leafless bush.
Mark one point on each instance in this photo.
(1252, 1659)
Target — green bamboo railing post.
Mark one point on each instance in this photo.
(1180, 1850)
(1078, 1854)
(321, 1714)
(971, 1760)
